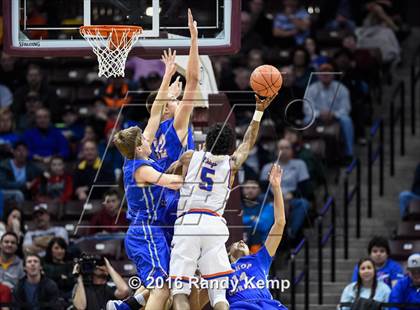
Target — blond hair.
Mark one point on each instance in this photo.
(127, 140)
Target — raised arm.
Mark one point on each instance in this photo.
(276, 231)
(148, 175)
(162, 96)
(185, 108)
(251, 134)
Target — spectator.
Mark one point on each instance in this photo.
(296, 187)
(13, 222)
(36, 291)
(330, 101)
(250, 38)
(5, 295)
(301, 61)
(11, 268)
(315, 166)
(6, 97)
(111, 157)
(94, 295)
(36, 241)
(73, 128)
(260, 22)
(408, 196)
(343, 17)
(86, 171)
(58, 266)
(45, 140)
(8, 136)
(27, 120)
(380, 11)
(407, 290)
(109, 219)
(257, 214)
(10, 72)
(17, 174)
(366, 286)
(291, 25)
(387, 270)
(115, 94)
(36, 86)
(54, 186)
(313, 50)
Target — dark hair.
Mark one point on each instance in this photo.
(305, 51)
(150, 99)
(48, 252)
(220, 139)
(345, 52)
(379, 242)
(20, 143)
(10, 233)
(8, 211)
(112, 192)
(359, 284)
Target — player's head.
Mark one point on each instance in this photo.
(170, 108)
(237, 250)
(413, 268)
(220, 139)
(378, 250)
(131, 143)
(367, 273)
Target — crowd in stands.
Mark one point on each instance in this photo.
(52, 150)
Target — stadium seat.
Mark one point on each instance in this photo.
(409, 230)
(402, 249)
(74, 209)
(414, 210)
(111, 249)
(28, 209)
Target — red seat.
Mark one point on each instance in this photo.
(413, 210)
(124, 268)
(111, 249)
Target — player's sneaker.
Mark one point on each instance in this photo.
(117, 305)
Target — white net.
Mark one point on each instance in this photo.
(111, 46)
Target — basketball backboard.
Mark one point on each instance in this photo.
(51, 27)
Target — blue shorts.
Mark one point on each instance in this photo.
(147, 247)
(268, 304)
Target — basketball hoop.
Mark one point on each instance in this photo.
(111, 44)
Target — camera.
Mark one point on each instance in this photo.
(88, 263)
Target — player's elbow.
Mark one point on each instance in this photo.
(280, 223)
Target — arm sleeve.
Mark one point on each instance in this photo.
(397, 272)
(63, 145)
(342, 104)
(27, 240)
(354, 276)
(347, 295)
(68, 189)
(396, 295)
(63, 234)
(5, 183)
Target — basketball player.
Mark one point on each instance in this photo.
(200, 230)
(243, 293)
(145, 241)
(174, 135)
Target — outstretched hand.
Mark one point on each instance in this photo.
(192, 25)
(262, 104)
(275, 176)
(168, 59)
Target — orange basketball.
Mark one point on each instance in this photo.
(266, 80)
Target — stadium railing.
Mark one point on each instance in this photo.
(414, 78)
(303, 244)
(372, 156)
(348, 197)
(385, 305)
(393, 118)
(322, 240)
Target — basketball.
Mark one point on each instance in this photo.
(266, 80)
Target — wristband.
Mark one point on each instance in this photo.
(258, 115)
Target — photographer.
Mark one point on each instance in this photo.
(92, 291)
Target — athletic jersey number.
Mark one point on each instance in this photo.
(206, 180)
(160, 147)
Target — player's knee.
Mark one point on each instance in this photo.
(160, 293)
(181, 302)
(181, 288)
(218, 299)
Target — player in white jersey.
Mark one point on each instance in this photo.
(200, 230)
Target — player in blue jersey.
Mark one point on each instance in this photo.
(174, 135)
(245, 291)
(144, 180)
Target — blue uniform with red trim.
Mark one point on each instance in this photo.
(245, 292)
(166, 149)
(145, 242)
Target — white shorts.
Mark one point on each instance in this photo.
(199, 242)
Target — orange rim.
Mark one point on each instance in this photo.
(116, 30)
